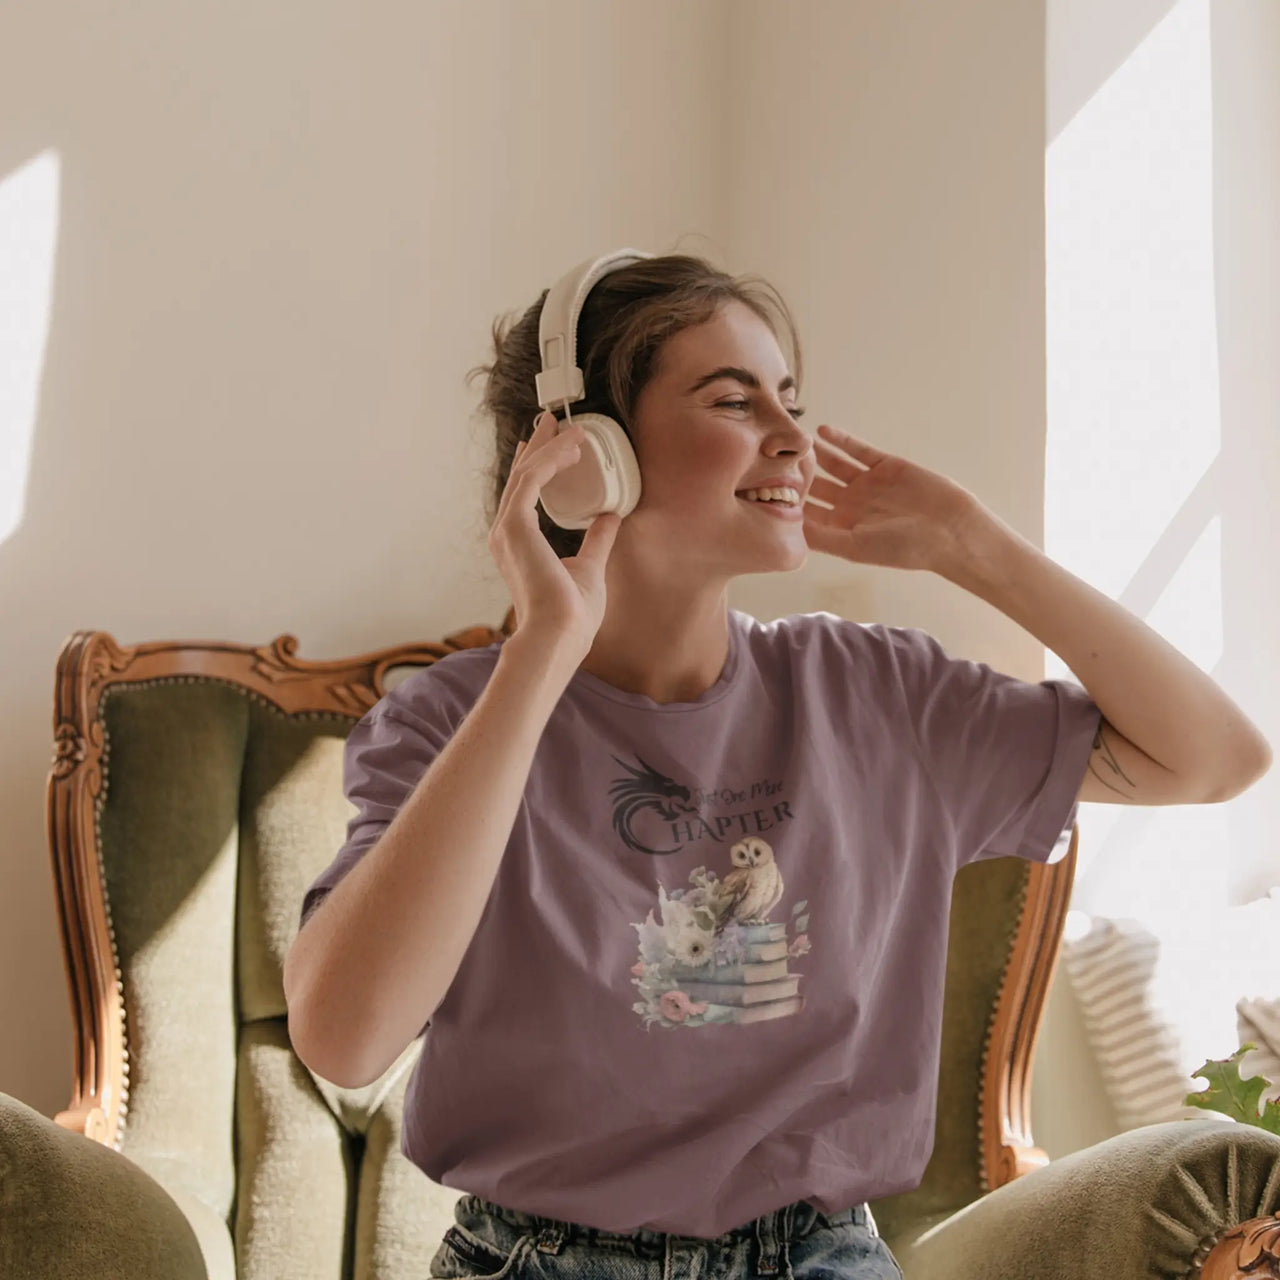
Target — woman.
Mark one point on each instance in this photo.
(670, 886)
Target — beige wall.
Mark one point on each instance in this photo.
(282, 233)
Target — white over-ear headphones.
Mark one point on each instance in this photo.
(607, 476)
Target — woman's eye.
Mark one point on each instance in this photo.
(797, 414)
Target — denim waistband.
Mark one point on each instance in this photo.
(790, 1222)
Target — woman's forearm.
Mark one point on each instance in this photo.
(1158, 698)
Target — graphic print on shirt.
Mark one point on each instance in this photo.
(715, 956)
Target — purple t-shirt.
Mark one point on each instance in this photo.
(708, 979)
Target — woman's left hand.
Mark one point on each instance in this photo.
(884, 509)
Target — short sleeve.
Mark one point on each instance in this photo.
(1006, 756)
(385, 756)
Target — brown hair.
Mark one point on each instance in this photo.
(626, 318)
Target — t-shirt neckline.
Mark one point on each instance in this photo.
(590, 683)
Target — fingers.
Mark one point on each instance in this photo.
(827, 490)
(540, 424)
(598, 540)
(546, 454)
(831, 459)
(859, 448)
(544, 427)
(548, 451)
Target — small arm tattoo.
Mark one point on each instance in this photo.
(1101, 759)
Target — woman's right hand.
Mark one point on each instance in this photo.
(563, 600)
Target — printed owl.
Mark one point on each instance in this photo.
(754, 887)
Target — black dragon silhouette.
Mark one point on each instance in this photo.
(646, 790)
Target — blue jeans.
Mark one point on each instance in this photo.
(796, 1242)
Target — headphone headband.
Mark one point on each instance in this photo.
(561, 380)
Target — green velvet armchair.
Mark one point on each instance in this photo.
(196, 791)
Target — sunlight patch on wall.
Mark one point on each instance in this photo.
(28, 235)
(1132, 383)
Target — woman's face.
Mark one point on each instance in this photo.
(699, 446)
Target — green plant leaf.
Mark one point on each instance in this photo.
(1235, 1097)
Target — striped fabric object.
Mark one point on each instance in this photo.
(1259, 1021)
(1155, 1007)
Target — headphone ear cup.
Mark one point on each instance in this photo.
(622, 465)
(606, 476)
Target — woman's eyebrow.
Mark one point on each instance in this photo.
(745, 376)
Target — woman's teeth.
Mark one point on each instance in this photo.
(785, 495)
